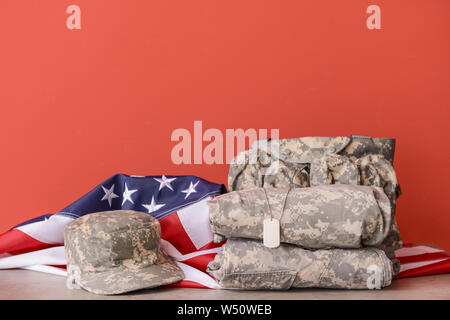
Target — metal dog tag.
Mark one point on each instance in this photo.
(271, 233)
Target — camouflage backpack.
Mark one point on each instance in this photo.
(312, 161)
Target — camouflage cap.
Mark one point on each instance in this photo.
(118, 251)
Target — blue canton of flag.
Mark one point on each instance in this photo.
(156, 195)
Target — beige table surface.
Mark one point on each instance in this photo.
(24, 284)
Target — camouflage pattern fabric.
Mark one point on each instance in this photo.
(375, 170)
(294, 157)
(247, 264)
(114, 252)
(326, 216)
(313, 161)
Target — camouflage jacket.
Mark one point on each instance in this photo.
(326, 216)
(247, 264)
(312, 161)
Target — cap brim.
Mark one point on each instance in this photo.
(122, 279)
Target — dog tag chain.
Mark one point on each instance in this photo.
(271, 227)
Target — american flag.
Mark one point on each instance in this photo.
(421, 260)
(178, 202)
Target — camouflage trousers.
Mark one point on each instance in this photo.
(248, 264)
(326, 216)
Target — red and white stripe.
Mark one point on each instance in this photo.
(419, 260)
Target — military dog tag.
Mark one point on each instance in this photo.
(271, 233)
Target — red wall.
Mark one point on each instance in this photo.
(78, 106)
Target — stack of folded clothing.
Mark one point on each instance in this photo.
(308, 212)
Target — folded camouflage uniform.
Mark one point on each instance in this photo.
(248, 264)
(326, 216)
(312, 161)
